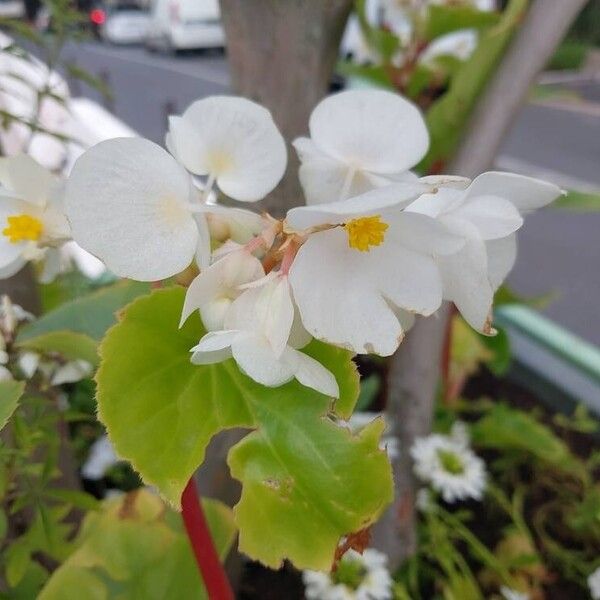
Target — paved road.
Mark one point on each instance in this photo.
(559, 251)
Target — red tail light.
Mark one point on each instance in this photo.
(97, 16)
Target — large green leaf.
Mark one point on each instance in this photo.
(136, 548)
(90, 315)
(447, 118)
(306, 480)
(10, 393)
(442, 19)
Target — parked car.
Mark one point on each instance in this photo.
(185, 25)
(125, 24)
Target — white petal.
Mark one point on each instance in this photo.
(493, 216)
(421, 234)
(215, 288)
(203, 246)
(266, 310)
(233, 139)
(127, 201)
(29, 179)
(312, 373)
(438, 203)
(373, 130)
(397, 195)
(255, 357)
(466, 283)
(447, 181)
(345, 296)
(11, 268)
(214, 347)
(501, 255)
(526, 193)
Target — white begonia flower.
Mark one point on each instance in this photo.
(100, 459)
(357, 577)
(31, 213)
(487, 213)
(459, 44)
(593, 582)
(263, 335)
(360, 140)
(3, 352)
(449, 466)
(71, 372)
(131, 204)
(510, 594)
(233, 142)
(213, 291)
(28, 362)
(354, 280)
(235, 224)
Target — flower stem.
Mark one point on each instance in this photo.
(215, 580)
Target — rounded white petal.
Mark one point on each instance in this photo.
(466, 282)
(493, 216)
(213, 291)
(526, 193)
(29, 179)
(311, 373)
(348, 298)
(214, 347)
(397, 196)
(255, 357)
(127, 202)
(422, 234)
(372, 130)
(502, 255)
(235, 140)
(459, 44)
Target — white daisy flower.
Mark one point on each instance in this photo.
(449, 466)
(360, 140)
(357, 577)
(366, 263)
(593, 582)
(486, 213)
(510, 594)
(31, 213)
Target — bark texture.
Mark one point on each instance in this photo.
(415, 369)
(282, 54)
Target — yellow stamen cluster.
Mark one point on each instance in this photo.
(365, 232)
(23, 228)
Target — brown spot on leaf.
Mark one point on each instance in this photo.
(359, 541)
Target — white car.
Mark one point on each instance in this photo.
(125, 24)
(185, 25)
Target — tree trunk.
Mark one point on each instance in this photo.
(415, 369)
(282, 54)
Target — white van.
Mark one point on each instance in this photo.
(185, 24)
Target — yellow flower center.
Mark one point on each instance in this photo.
(365, 232)
(22, 228)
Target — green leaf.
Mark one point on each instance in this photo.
(507, 429)
(374, 74)
(579, 201)
(135, 547)
(18, 559)
(447, 117)
(442, 19)
(306, 481)
(10, 394)
(91, 315)
(369, 388)
(71, 345)
(499, 345)
(383, 42)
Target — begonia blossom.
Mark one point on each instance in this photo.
(359, 140)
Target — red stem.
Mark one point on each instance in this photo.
(213, 574)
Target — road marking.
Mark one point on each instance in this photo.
(516, 165)
(154, 62)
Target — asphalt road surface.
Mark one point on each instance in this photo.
(559, 251)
